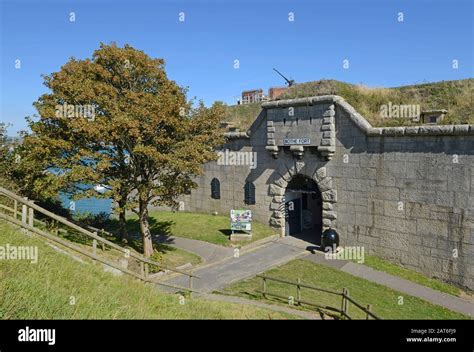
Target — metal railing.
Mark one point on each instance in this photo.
(23, 215)
(343, 312)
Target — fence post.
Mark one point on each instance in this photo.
(31, 217)
(146, 270)
(103, 236)
(347, 302)
(298, 291)
(343, 304)
(24, 213)
(15, 209)
(94, 246)
(24, 216)
(369, 309)
(190, 285)
(264, 287)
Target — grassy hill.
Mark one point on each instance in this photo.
(242, 115)
(45, 291)
(455, 96)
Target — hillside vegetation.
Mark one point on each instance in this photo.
(47, 289)
(454, 96)
(242, 115)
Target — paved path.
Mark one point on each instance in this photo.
(453, 303)
(445, 300)
(248, 264)
(222, 268)
(209, 252)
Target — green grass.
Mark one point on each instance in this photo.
(45, 290)
(384, 300)
(174, 257)
(455, 96)
(397, 270)
(198, 226)
(242, 115)
(166, 255)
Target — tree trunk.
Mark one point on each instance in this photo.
(145, 229)
(123, 223)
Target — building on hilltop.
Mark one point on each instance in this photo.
(252, 96)
(433, 116)
(276, 92)
(257, 95)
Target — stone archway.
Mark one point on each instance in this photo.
(303, 209)
(278, 187)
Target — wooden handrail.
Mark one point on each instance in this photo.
(88, 233)
(361, 307)
(67, 244)
(299, 284)
(72, 246)
(344, 294)
(304, 302)
(150, 262)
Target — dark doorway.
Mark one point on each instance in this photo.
(303, 209)
(293, 216)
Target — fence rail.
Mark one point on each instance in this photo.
(344, 294)
(25, 209)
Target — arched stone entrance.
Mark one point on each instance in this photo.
(303, 209)
(278, 187)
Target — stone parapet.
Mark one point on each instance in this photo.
(366, 127)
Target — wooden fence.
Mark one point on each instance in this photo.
(342, 313)
(23, 215)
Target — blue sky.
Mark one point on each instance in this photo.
(200, 51)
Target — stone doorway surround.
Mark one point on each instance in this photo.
(277, 189)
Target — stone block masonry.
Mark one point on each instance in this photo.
(404, 193)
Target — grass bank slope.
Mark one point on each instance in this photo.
(455, 96)
(47, 289)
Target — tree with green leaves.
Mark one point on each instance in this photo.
(8, 161)
(116, 119)
(3, 154)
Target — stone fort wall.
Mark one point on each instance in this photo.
(405, 194)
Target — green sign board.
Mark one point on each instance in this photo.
(240, 220)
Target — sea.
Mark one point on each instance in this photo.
(93, 206)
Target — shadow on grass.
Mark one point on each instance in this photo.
(226, 232)
(160, 230)
(75, 237)
(251, 294)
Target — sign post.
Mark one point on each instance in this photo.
(241, 220)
